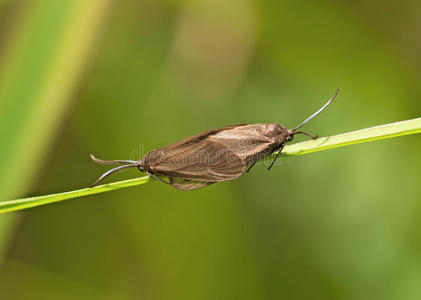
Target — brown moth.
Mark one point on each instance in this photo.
(212, 156)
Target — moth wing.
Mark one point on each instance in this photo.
(198, 137)
(252, 142)
(205, 160)
(187, 185)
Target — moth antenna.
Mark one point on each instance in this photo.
(109, 172)
(317, 112)
(306, 133)
(111, 162)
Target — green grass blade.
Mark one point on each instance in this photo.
(355, 137)
(14, 205)
(43, 55)
(324, 143)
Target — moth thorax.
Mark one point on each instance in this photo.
(275, 131)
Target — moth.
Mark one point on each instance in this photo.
(216, 155)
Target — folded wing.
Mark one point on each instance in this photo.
(186, 184)
(197, 159)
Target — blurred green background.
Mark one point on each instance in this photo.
(119, 78)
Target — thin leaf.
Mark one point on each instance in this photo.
(360, 136)
(14, 205)
(355, 137)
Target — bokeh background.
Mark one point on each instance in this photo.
(117, 78)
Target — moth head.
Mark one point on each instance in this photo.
(290, 135)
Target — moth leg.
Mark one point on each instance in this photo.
(157, 178)
(248, 170)
(276, 157)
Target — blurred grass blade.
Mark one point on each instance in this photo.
(43, 57)
(7, 223)
(324, 143)
(41, 64)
